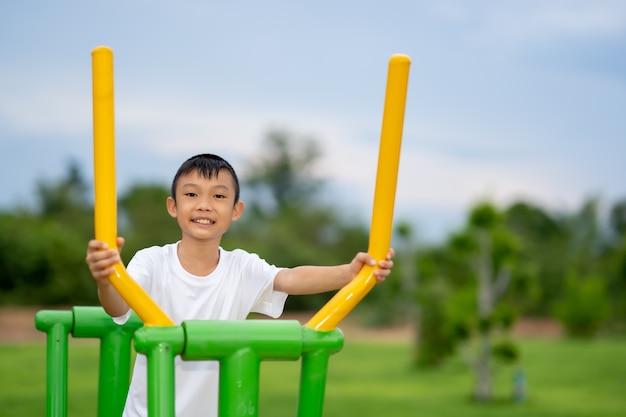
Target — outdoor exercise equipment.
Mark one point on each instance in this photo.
(239, 346)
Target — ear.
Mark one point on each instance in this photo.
(237, 210)
(171, 206)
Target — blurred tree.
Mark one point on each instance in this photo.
(543, 241)
(585, 238)
(67, 201)
(583, 308)
(582, 305)
(282, 173)
(42, 253)
(613, 265)
(409, 272)
(617, 219)
(285, 220)
(144, 220)
(445, 317)
(492, 262)
(463, 287)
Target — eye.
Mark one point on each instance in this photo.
(190, 194)
(219, 196)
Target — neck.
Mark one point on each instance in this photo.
(198, 258)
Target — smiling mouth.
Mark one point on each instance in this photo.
(203, 221)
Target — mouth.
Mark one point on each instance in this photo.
(203, 221)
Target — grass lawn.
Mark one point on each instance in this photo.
(565, 378)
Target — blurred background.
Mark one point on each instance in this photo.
(514, 108)
(510, 204)
(506, 101)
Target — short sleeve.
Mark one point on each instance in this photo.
(258, 284)
(270, 302)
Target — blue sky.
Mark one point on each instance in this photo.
(507, 100)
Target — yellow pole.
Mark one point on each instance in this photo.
(384, 198)
(105, 207)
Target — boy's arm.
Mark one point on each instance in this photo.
(100, 260)
(317, 279)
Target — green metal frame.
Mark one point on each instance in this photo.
(239, 346)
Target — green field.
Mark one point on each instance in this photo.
(565, 378)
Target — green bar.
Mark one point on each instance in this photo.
(160, 345)
(214, 340)
(57, 325)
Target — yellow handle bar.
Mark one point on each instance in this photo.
(105, 207)
(384, 198)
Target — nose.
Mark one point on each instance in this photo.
(204, 204)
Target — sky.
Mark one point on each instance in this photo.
(507, 100)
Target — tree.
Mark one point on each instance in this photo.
(614, 262)
(543, 241)
(582, 305)
(285, 220)
(66, 201)
(42, 262)
(617, 219)
(144, 220)
(281, 175)
(42, 252)
(409, 273)
(492, 262)
(479, 265)
(583, 308)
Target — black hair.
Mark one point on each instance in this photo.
(207, 165)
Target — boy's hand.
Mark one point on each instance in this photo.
(384, 266)
(101, 259)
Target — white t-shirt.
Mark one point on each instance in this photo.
(240, 284)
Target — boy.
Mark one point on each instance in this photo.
(196, 279)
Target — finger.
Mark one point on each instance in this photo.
(120, 243)
(99, 261)
(385, 264)
(365, 258)
(103, 269)
(380, 275)
(97, 244)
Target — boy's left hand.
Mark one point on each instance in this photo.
(384, 266)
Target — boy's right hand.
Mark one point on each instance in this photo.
(101, 259)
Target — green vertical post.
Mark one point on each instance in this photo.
(160, 345)
(239, 384)
(57, 325)
(312, 383)
(115, 357)
(317, 348)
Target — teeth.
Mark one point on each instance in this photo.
(203, 221)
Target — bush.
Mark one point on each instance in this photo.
(584, 306)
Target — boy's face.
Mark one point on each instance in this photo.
(205, 207)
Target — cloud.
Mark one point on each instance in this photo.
(532, 22)
(52, 106)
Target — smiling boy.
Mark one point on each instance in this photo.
(195, 278)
